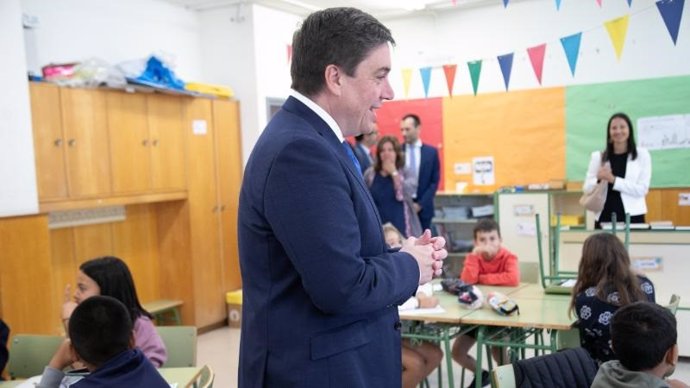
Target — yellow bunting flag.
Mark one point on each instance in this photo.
(618, 29)
(407, 78)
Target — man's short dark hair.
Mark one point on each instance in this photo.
(100, 328)
(414, 118)
(641, 334)
(334, 36)
(486, 225)
(359, 137)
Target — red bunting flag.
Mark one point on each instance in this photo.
(449, 70)
(536, 56)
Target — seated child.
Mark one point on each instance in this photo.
(110, 276)
(101, 338)
(488, 264)
(643, 337)
(420, 358)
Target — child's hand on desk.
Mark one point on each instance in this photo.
(673, 383)
(426, 301)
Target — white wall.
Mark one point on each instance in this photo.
(245, 46)
(18, 193)
(485, 32)
(114, 31)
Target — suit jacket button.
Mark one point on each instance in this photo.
(397, 325)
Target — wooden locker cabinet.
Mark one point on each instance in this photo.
(226, 122)
(213, 195)
(70, 142)
(146, 142)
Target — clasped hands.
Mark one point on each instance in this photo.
(429, 253)
(605, 173)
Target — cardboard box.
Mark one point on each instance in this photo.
(234, 301)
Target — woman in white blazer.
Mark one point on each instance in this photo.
(628, 170)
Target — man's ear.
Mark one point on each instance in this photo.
(333, 79)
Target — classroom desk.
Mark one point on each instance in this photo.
(537, 312)
(444, 327)
(183, 377)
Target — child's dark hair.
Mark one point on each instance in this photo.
(486, 225)
(114, 279)
(100, 328)
(641, 334)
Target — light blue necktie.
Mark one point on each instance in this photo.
(348, 149)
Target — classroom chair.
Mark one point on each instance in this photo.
(206, 377)
(180, 342)
(30, 353)
(570, 368)
(673, 303)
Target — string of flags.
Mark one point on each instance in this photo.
(670, 11)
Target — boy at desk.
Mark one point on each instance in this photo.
(101, 337)
(488, 264)
(644, 338)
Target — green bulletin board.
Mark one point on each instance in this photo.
(588, 108)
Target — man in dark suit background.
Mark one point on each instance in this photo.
(362, 148)
(422, 169)
(320, 286)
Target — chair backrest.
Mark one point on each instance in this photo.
(30, 353)
(180, 343)
(570, 368)
(503, 376)
(673, 303)
(206, 377)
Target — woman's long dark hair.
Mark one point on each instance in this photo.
(632, 147)
(114, 279)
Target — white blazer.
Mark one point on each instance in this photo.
(633, 187)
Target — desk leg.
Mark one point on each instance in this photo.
(480, 347)
(449, 358)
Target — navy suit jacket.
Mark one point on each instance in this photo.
(362, 157)
(320, 287)
(427, 183)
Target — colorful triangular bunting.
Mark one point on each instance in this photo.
(571, 45)
(536, 56)
(506, 63)
(671, 11)
(629, 3)
(475, 68)
(449, 71)
(425, 72)
(505, 3)
(558, 5)
(407, 78)
(618, 29)
(599, 2)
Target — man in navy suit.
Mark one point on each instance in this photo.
(321, 287)
(422, 169)
(363, 144)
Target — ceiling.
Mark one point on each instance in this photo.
(380, 8)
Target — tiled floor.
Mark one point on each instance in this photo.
(220, 350)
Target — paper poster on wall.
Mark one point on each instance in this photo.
(462, 169)
(483, 170)
(683, 199)
(528, 229)
(664, 132)
(199, 127)
(647, 264)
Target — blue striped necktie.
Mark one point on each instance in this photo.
(348, 149)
